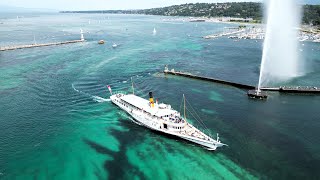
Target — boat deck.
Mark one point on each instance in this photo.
(189, 130)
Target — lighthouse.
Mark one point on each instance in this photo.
(82, 37)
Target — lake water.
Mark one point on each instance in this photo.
(56, 121)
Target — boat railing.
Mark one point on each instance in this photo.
(120, 92)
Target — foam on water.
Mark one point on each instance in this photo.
(95, 98)
(100, 99)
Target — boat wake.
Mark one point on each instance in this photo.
(100, 99)
(95, 98)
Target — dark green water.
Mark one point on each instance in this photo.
(53, 125)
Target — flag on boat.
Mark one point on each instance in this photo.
(110, 89)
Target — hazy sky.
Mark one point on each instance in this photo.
(110, 4)
(101, 4)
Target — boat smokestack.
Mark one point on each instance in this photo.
(151, 99)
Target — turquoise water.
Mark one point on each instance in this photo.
(57, 123)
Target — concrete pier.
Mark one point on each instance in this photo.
(281, 89)
(238, 85)
(8, 48)
(213, 36)
(270, 88)
(295, 89)
(299, 89)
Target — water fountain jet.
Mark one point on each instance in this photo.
(280, 58)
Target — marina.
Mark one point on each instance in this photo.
(258, 33)
(228, 33)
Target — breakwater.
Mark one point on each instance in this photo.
(8, 48)
(238, 85)
(296, 89)
(213, 36)
(281, 89)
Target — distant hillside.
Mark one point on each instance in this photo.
(235, 9)
(241, 10)
(312, 2)
(311, 14)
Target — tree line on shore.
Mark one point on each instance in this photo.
(311, 13)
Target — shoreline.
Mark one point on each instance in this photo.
(306, 32)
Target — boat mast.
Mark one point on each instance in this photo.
(184, 107)
(132, 86)
(34, 39)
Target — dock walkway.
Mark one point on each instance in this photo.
(281, 89)
(8, 48)
(213, 36)
(238, 85)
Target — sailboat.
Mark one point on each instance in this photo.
(154, 31)
(34, 40)
(162, 118)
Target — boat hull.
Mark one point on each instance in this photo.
(140, 120)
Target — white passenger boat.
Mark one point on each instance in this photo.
(162, 118)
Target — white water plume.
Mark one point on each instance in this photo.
(280, 59)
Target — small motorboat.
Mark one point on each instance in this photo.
(114, 45)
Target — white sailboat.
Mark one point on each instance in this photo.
(154, 31)
(34, 40)
(162, 118)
